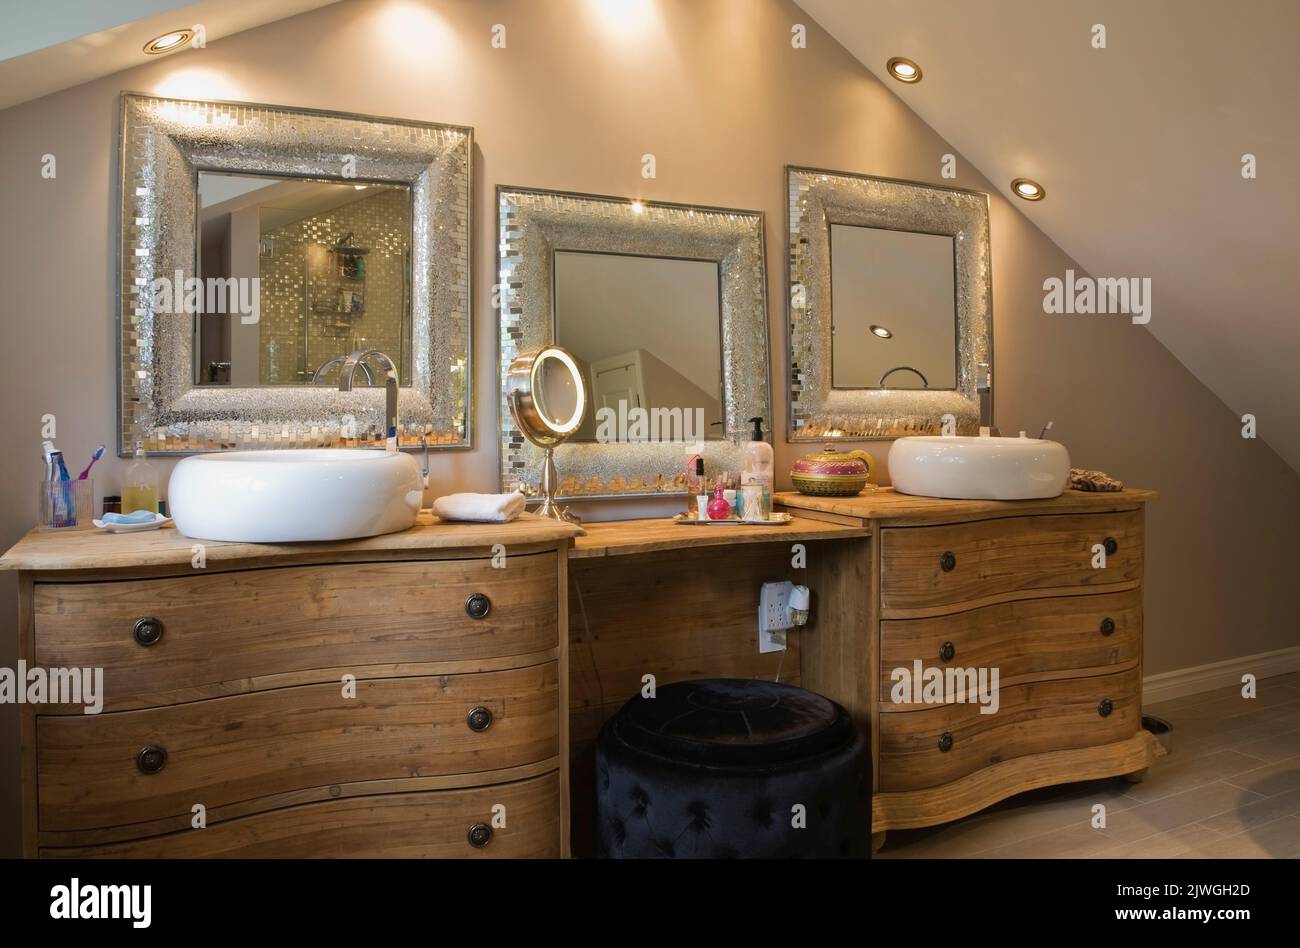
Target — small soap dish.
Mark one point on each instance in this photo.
(157, 521)
(776, 520)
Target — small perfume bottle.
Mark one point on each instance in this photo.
(697, 487)
(719, 509)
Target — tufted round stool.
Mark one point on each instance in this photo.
(727, 768)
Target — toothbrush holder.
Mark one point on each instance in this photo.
(64, 505)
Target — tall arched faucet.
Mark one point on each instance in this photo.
(330, 363)
(902, 368)
(389, 367)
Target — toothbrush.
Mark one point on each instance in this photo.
(99, 453)
(1046, 428)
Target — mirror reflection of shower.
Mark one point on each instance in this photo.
(332, 261)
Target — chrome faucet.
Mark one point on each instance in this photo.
(984, 392)
(386, 363)
(330, 363)
(902, 368)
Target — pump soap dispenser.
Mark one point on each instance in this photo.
(140, 487)
(758, 464)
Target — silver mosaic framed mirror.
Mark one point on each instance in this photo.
(664, 307)
(890, 307)
(261, 244)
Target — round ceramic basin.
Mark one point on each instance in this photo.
(966, 468)
(288, 496)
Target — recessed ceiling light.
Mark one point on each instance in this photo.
(1029, 190)
(168, 42)
(637, 207)
(882, 332)
(903, 69)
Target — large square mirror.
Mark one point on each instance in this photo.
(259, 245)
(663, 307)
(890, 307)
(646, 332)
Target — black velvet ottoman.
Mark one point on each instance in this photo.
(727, 768)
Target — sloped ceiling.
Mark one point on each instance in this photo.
(1140, 147)
(56, 44)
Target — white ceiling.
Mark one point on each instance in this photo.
(56, 44)
(1139, 146)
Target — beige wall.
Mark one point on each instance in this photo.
(714, 90)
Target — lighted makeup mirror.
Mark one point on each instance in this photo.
(548, 399)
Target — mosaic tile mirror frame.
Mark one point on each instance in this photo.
(820, 411)
(533, 224)
(165, 144)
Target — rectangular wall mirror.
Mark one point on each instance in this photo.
(890, 307)
(646, 332)
(334, 264)
(663, 307)
(893, 315)
(259, 245)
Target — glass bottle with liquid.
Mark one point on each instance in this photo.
(140, 486)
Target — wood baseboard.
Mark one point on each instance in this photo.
(1189, 681)
(952, 801)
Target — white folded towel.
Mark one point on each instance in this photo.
(485, 508)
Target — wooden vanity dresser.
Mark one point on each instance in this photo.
(1011, 585)
(401, 695)
(227, 684)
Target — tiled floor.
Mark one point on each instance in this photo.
(1230, 788)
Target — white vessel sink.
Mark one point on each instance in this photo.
(285, 496)
(965, 468)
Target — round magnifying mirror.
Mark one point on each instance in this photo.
(548, 399)
(558, 388)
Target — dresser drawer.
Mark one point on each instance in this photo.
(425, 825)
(1025, 639)
(1033, 718)
(226, 632)
(925, 570)
(225, 750)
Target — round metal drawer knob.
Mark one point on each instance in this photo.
(1108, 626)
(945, 742)
(1111, 545)
(477, 606)
(151, 759)
(147, 630)
(480, 834)
(948, 562)
(480, 719)
(1106, 707)
(948, 651)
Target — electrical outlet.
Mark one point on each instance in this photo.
(774, 616)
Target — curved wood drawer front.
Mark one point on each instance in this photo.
(928, 570)
(426, 825)
(225, 750)
(1032, 718)
(237, 626)
(1025, 640)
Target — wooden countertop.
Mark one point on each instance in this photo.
(886, 504)
(625, 537)
(81, 550)
(92, 550)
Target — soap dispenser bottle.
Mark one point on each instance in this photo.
(758, 464)
(140, 487)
